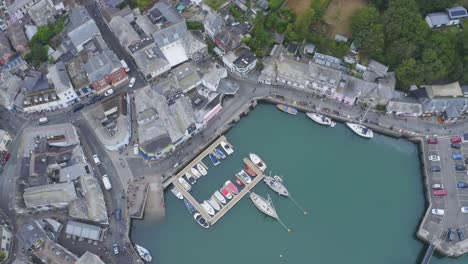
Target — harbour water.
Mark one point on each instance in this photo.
(365, 199)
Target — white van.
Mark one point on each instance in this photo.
(96, 160)
(42, 120)
(105, 180)
(124, 65)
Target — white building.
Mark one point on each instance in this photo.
(5, 240)
(59, 77)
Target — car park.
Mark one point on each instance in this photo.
(439, 212)
(435, 168)
(451, 234)
(437, 186)
(457, 156)
(461, 235)
(115, 248)
(460, 167)
(432, 141)
(455, 140)
(109, 92)
(434, 158)
(96, 159)
(440, 192)
(464, 210)
(456, 145)
(462, 185)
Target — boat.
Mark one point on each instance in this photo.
(212, 201)
(231, 187)
(320, 119)
(177, 193)
(190, 207)
(276, 184)
(239, 182)
(250, 171)
(143, 252)
(227, 148)
(219, 197)
(184, 184)
(200, 220)
(263, 205)
(201, 169)
(287, 109)
(257, 161)
(226, 193)
(195, 172)
(361, 130)
(244, 176)
(210, 210)
(214, 159)
(220, 153)
(190, 178)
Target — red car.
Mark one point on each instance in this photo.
(432, 141)
(440, 192)
(455, 140)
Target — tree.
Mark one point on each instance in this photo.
(409, 72)
(368, 31)
(261, 39)
(301, 27)
(2, 256)
(439, 57)
(380, 4)
(427, 6)
(37, 54)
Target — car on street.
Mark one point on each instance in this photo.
(109, 92)
(96, 159)
(460, 233)
(432, 141)
(78, 107)
(460, 167)
(438, 186)
(433, 158)
(115, 248)
(462, 185)
(94, 100)
(132, 82)
(466, 161)
(457, 156)
(435, 168)
(42, 121)
(440, 192)
(456, 140)
(456, 145)
(451, 234)
(136, 149)
(439, 212)
(118, 214)
(464, 210)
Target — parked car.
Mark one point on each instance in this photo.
(439, 212)
(435, 168)
(42, 121)
(466, 161)
(115, 248)
(462, 185)
(109, 92)
(118, 214)
(136, 149)
(78, 107)
(456, 140)
(460, 167)
(96, 159)
(457, 156)
(456, 145)
(438, 186)
(460, 233)
(132, 82)
(451, 234)
(440, 192)
(94, 100)
(432, 141)
(464, 210)
(433, 158)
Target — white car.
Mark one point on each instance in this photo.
(439, 212)
(136, 149)
(438, 186)
(464, 210)
(96, 160)
(132, 82)
(109, 92)
(434, 158)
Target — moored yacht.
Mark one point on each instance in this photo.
(200, 220)
(227, 148)
(144, 253)
(244, 176)
(190, 178)
(257, 161)
(214, 159)
(226, 193)
(231, 187)
(276, 184)
(219, 197)
(263, 205)
(212, 201)
(320, 119)
(190, 207)
(184, 184)
(361, 130)
(208, 208)
(201, 169)
(177, 193)
(195, 172)
(220, 153)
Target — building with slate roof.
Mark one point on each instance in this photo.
(451, 16)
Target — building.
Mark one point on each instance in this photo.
(42, 12)
(18, 9)
(5, 49)
(83, 33)
(446, 90)
(212, 24)
(82, 230)
(187, 76)
(151, 62)
(227, 40)
(49, 196)
(17, 37)
(89, 258)
(404, 107)
(5, 241)
(10, 86)
(105, 71)
(212, 78)
(5, 140)
(450, 17)
(60, 80)
(240, 64)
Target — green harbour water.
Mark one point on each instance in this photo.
(365, 200)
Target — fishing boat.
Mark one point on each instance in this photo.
(287, 109)
(219, 197)
(190, 178)
(190, 207)
(220, 153)
(320, 119)
(200, 220)
(276, 184)
(214, 159)
(244, 176)
(361, 130)
(210, 210)
(143, 252)
(250, 171)
(201, 169)
(257, 161)
(177, 193)
(226, 193)
(184, 184)
(231, 187)
(263, 205)
(195, 172)
(212, 201)
(227, 148)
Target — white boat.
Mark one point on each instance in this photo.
(200, 220)
(190, 178)
(244, 176)
(219, 197)
(201, 169)
(227, 148)
(212, 201)
(208, 208)
(177, 193)
(361, 130)
(257, 161)
(320, 119)
(195, 172)
(276, 184)
(184, 184)
(263, 205)
(143, 252)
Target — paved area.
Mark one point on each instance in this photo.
(136, 198)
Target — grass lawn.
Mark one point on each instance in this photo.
(215, 4)
(339, 15)
(298, 6)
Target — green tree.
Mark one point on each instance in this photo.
(427, 6)
(409, 72)
(439, 57)
(368, 31)
(261, 39)
(2, 256)
(380, 4)
(37, 55)
(301, 27)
